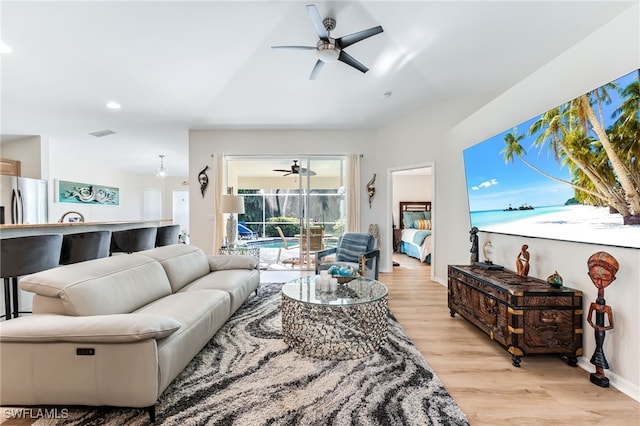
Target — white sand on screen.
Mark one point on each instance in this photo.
(578, 223)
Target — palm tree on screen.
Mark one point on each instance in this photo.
(603, 160)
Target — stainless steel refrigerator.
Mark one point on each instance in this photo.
(23, 200)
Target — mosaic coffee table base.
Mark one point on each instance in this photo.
(335, 332)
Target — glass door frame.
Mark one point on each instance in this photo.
(305, 185)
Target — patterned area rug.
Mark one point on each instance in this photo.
(247, 376)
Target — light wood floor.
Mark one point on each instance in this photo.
(478, 372)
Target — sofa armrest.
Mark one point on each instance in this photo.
(232, 261)
(118, 328)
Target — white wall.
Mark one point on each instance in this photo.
(409, 188)
(422, 137)
(131, 207)
(32, 152)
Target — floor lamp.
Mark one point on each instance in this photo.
(232, 204)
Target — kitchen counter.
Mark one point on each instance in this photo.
(9, 231)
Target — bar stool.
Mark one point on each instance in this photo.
(83, 246)
(167, 235)
(132, 240)
(22, 256)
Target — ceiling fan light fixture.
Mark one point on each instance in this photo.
(162, 171)
(328, 51)
(331, 49)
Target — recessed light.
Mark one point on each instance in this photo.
(113, 105)
(5, 48)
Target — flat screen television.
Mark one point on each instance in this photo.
(552, 176)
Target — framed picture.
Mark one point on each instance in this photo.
(87, 193)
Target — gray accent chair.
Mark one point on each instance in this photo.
(356, 249)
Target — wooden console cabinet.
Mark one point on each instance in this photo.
(524, 315)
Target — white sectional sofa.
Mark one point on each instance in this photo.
(116, 331)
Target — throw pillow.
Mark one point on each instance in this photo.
(422, 224)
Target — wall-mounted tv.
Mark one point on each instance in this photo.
(571, 173)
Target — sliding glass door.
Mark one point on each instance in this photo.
(294, 207)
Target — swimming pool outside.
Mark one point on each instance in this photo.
(270, 243)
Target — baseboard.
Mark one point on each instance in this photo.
(621, 384)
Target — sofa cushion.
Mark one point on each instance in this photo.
(117, 328)
(238, 283)
(182, 263)
(201, 314)
(111, 285)
(224, 262)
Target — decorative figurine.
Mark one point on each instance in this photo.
(473, 237)
(371, 189)
(555, 280)
(204, 180)
(602, 271)
(522, 261)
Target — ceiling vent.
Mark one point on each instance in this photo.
(101, 133)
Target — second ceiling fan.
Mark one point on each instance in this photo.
(332, 49)
(296, 170)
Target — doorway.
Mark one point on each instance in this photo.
(411, 183)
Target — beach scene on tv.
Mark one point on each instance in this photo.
(571, 173)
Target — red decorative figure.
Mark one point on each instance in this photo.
(602, 271)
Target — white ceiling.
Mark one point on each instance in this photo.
(178, 65)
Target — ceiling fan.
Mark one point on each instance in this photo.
(331, 49)
(296, 170)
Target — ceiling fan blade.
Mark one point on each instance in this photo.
(307, 172)
(316, 69)
(317, 22)
(350, 39)
(294, 48)
(282, 170)
(350, 60)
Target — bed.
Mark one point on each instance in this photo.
(415, 228)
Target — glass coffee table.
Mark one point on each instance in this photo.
(349, 323)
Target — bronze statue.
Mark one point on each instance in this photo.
(602, 271)
(522, 261)
(473, 237)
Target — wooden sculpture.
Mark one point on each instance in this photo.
(602, 271)
(522, 261)
(204, 180)
(371, 189)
